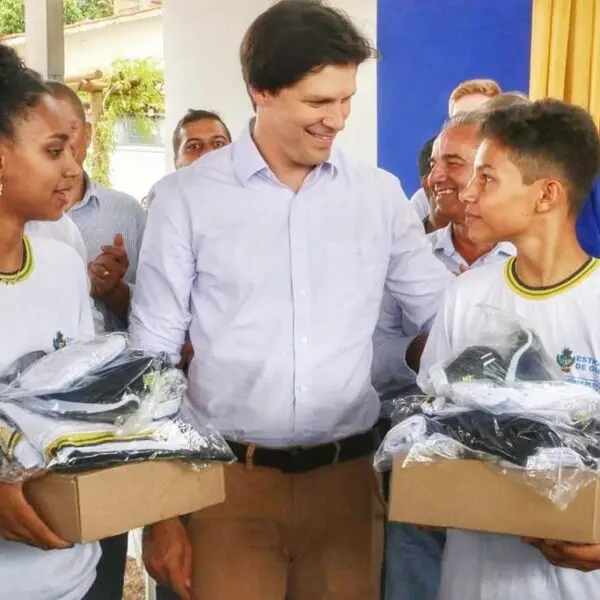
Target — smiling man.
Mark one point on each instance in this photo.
(274, 253)
(451, 169)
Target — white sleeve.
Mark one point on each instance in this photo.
(416, 278)
(160, 309)
(391, 339)
(439, 344)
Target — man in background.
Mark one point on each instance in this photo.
(112, 225)
(111, 222)
(470, 95)
(197, 133)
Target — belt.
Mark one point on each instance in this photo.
(302, 459)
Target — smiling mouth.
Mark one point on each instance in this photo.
(325, 138)
(445, 192)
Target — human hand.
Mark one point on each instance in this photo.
(167, 554)
(20, 523)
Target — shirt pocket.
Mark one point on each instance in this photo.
(355, 268)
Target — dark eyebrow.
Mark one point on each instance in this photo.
(326, 98)
(63, 137)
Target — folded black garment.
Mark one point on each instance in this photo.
(523, 359)
(132, 372)
(113, 392)
(512, 437)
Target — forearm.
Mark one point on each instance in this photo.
(118, 300)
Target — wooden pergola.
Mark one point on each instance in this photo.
(94, 84)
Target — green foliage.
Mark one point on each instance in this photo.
(12, 13)
(12, 16)
(104, 146)
(136, 90)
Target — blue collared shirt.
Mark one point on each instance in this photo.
(100, 216)
(280, 290)
(395, 332)
(443, 248)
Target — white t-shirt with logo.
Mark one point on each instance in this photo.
(47, 301)
(498, 567)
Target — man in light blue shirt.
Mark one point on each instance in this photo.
(111, 223)
(274, 253)
(112, 226)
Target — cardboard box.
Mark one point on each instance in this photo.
(469, 494)
(97, 504)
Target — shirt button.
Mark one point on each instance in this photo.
(303, 388)
(303, 340)
(302, 293)
(301, 247)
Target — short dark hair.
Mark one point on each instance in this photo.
(424, 162)
(549, 138)
(61, 91)
(20, 90)
(191, 116)
(296, 37)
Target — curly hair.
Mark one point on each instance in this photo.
(20, 90)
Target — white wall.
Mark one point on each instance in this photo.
(91, 46)
(134, 169)
(202, 70)
(95, 45)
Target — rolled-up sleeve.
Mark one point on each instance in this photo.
(416, 279)
(160, 311)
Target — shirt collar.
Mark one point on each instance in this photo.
(443, 243)
(91, 196)
(248, 161)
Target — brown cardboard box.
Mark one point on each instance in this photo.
(97, 504)
(469, 494)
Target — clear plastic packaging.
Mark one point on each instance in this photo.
(502, 400)
(100, 380)
(502, 350)
(95, 404)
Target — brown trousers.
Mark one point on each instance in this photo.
(313, 536)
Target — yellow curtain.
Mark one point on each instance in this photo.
(565, 52)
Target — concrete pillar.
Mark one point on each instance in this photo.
(202, 69)
(45, 37)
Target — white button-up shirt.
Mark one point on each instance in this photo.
(280, 290)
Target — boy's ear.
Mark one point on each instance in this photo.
(551, 194)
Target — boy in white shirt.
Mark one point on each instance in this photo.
(533, 171)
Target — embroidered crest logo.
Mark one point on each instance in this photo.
(565, 360)
(59, 341)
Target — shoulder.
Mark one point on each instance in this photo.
(359, 171)
(55, 255)
(117, 197)
(471, 287)
(210, 172)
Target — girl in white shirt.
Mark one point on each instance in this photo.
(43, 297)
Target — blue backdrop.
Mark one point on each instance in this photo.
(427, 48)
